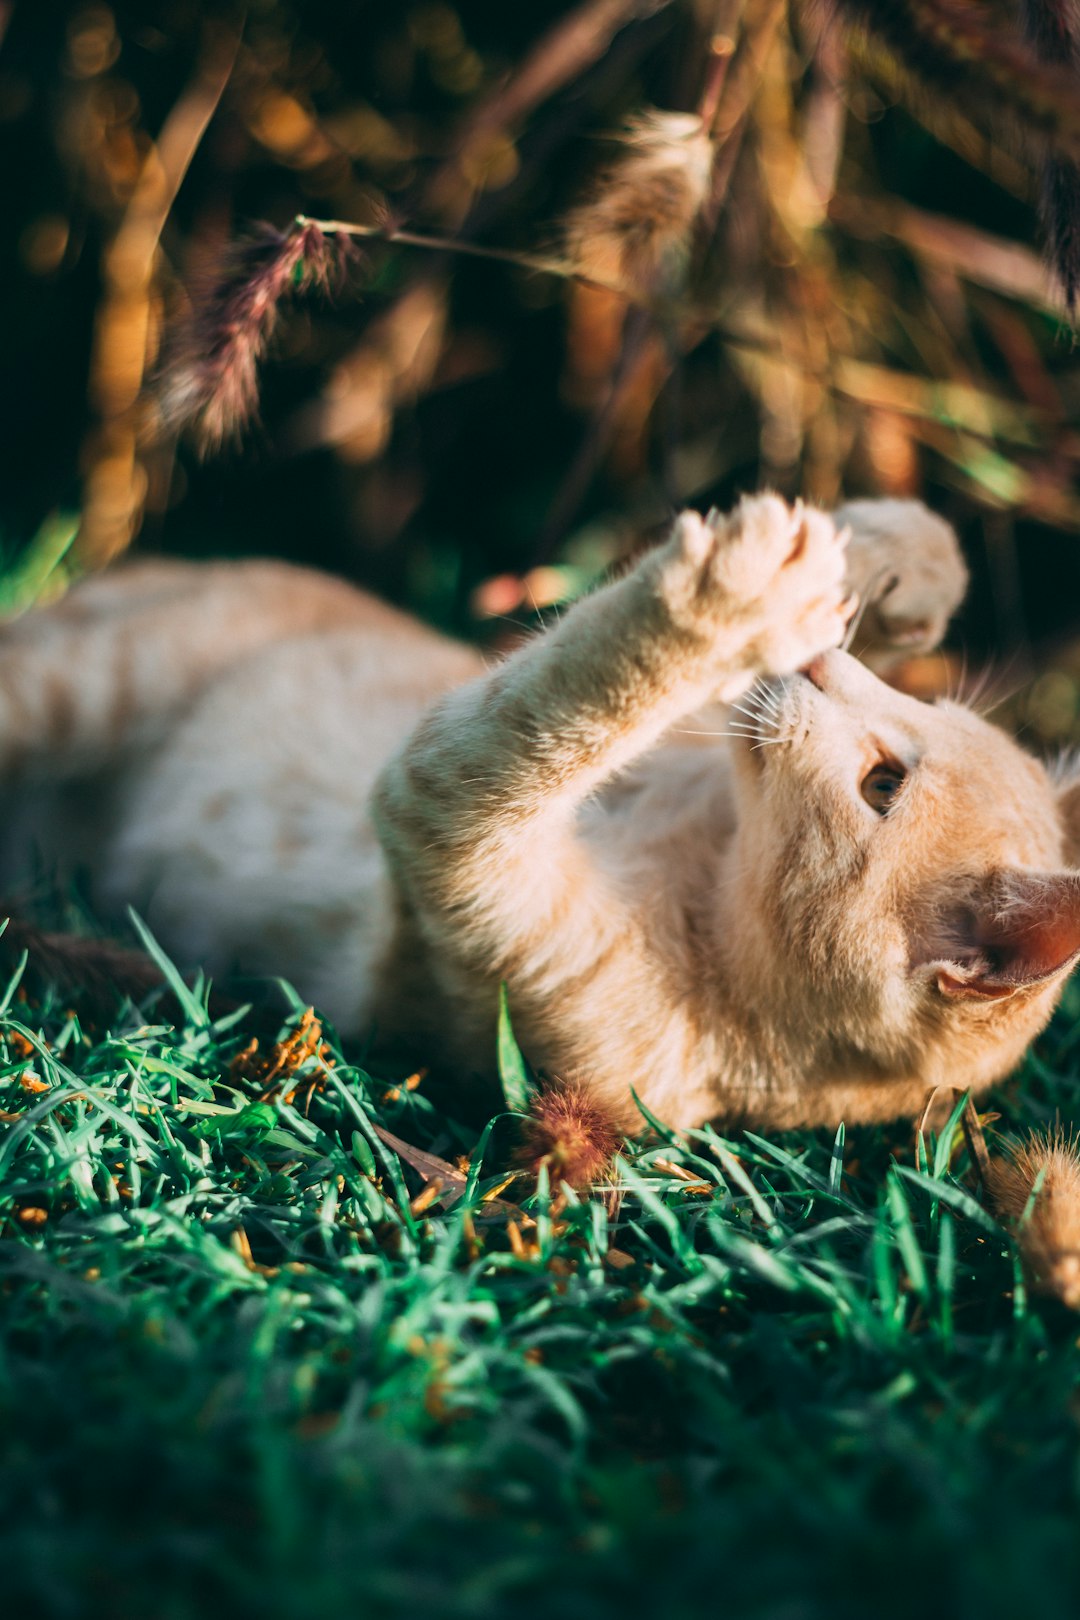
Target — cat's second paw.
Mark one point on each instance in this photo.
(906, 566)
(769, 573)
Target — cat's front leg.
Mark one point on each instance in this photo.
(477, 813)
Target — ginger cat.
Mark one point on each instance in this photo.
(844, 898)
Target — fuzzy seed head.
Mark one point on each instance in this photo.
(571, 1132)
(637, 231)
(1049, 1238)
(211, 382)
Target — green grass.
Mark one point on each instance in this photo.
(240, 1375)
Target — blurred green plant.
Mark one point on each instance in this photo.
(41, 569)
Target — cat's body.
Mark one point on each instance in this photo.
(286, 777)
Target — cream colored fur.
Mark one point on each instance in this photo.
(284, 776)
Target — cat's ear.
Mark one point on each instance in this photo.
(1019, 930)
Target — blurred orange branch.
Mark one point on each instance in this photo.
(125, 334)
(975, 255)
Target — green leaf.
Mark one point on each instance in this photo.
(943, 1146)
(907, 1240)
(253, 1120)
(194, 1010)
(363, 1155)
(517, 1088)
(947, 1192)
(836, 1161)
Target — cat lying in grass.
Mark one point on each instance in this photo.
(714, 858)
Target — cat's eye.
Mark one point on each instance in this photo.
(881, 785)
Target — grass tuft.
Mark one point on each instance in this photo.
(256, 1357)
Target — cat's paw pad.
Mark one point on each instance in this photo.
(775, 571)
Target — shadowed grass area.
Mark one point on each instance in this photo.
(248, 1366)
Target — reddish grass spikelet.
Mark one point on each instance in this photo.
(1049, 1238)
(570, 1132)
(637, 230)
(211, 382)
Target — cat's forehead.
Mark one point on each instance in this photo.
(955, 736)
(984, 789)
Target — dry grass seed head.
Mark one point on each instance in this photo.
(637, 230)
(572, 1133)
(211, 382)
(1049, 1238)
(272, 1069)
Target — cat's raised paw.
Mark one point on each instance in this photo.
(773, 572)
(905, 564)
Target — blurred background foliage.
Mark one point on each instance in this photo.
(474, 437)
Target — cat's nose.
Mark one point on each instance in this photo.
(833, 672)
(815, 671)
(842, 678)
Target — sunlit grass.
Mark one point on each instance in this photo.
(250, 1364)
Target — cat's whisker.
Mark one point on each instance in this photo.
(753, 724)
(853, 624)
(974, 693)
(759, 707)
(683, 731)
(873, 593)
(961, 685)
(753, 693)
(993, 688)
(750, 708)
(752, 716)
(996, 697)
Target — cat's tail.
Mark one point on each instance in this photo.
(73, 962)
(101, 973)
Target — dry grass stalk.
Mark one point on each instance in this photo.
(1044, 1214)
(274, 1068)
(954, 47)
(1052, 28)
(127, 321)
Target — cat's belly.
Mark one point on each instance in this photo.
(244, 840)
